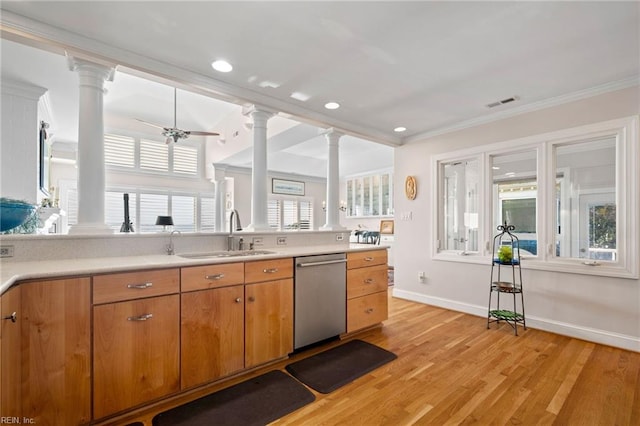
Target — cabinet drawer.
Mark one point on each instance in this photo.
(135, 285)
(363, 281)
(361, 259)
(268, 270)
(366, 311)
(211, 276)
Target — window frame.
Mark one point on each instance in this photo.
(627, 198)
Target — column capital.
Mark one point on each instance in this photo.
(254, 109)
(219, 171)
(105, 72)
(332, 134)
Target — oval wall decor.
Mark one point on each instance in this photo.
(410, 188)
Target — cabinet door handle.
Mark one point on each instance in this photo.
(368, 259)
(140, 286)
(238, 300)
(270, 270)
(368, 311)
(13, 317)
(144, 317)
(369, 281)
(214, 277)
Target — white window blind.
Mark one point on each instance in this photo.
(185, 160)
(273, 214)
(289, 214)
(183, 210)
(151, 206)
(72, 207)
(305, 215)
(119, 151)
(207, 214)
(285, 213)
(154, 155)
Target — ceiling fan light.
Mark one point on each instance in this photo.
(221, 66)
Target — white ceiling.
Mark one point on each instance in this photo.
(428, 66)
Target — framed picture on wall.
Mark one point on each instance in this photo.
(287, 187)
(386, 226)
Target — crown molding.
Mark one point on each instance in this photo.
(534, 106)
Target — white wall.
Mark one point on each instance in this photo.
(314, 188)
(600, 309)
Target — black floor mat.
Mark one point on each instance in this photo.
(331, 369)
(257, 401)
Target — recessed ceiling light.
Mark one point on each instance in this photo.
(221, 65)
(332, 105)
(400, 129)
(300, 96)
(266, 84)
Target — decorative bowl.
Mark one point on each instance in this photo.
(14, 213)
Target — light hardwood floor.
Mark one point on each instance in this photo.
(452, 370)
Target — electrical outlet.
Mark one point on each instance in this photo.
(281, 241)
(257, 241)
(339, 237)
(6, 251)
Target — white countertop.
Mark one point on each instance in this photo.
(11, 272)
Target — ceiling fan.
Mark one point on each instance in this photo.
(174, 134)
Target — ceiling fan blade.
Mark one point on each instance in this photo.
(150, 124)
(197, 133)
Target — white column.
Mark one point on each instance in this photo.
(220, 181)
(333, 181)
(91, 169)
(259, 180)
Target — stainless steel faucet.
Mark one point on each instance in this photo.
(238, 227)
(169, 248)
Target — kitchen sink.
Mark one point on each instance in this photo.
(225, 253)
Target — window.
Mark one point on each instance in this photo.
(370, 195)
(588, 176)
(572, 196)
(154, 156)
(119, 151)
(290, 214)
(149, 156)
(460, 202)
(515, 196)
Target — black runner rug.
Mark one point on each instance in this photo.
(257, 401)
(331, 369)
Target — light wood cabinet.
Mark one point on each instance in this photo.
(268, 321)
(367, 284)
(46, 352)
(136, 345)
(10, 354)
(212, 338)
(211, 276)
(268, 310)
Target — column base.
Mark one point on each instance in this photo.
(327, 227)
(257, 228)
(90, 229)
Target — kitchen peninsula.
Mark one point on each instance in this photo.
(109, 335)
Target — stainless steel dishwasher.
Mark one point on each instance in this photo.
(320, 298)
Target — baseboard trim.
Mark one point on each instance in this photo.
(603, 337)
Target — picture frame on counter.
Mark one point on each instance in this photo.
(287, 187)
(386, 226)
